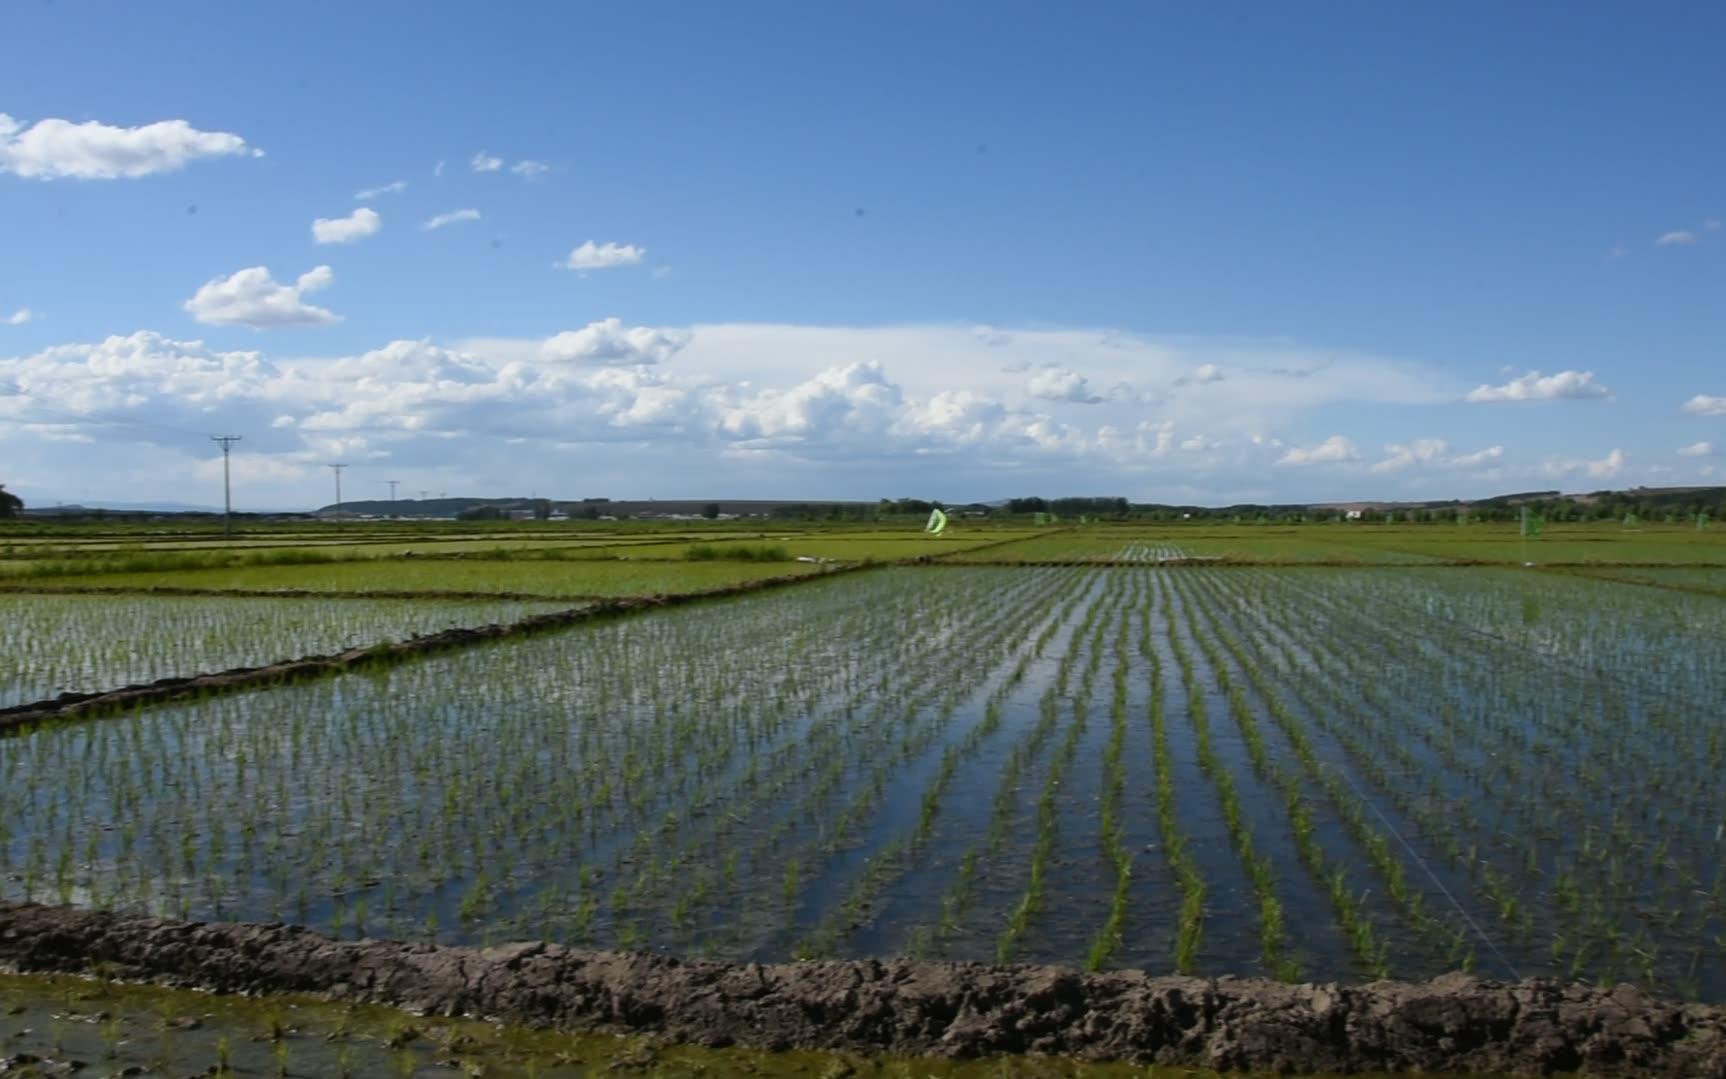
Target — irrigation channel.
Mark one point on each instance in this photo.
(1295, 774)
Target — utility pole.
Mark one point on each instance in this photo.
(392, 484)
(337, 469)
(227, 488)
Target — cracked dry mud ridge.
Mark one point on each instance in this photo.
(1454, 1023)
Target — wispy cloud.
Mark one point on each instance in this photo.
(369, 193)
(1704, 405)
(1676, 238)
(1607, 467)
(1697, 449)
(531, 170)
(1433, 453)
(451, 218)
(1604, 468)
(484, 162)
(1533, 386)
(59, 149)
(20, 317)
(1332, 450)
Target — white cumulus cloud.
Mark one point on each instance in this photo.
(1061, 384)
(484, 162)
(608, 342)
(1533, 386)
(361, 223)
(781, 409)
(57, 149)
(1697, 449)
(1704, 405)
(838, 406)
(592, 256)
(251, 297)
(20, 317)
(450, 218)
(1332, 450)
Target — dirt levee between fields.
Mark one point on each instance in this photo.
(912, 1007)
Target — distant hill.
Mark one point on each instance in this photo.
(145, 509)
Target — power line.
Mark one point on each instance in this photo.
(227, 487)
(337, 469)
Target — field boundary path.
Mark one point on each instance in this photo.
(116, 701)
(1452, 1023)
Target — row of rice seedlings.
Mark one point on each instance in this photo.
(1109, 826)
(1371, 716)
(956, 904)
(1354, 919)
(982, 650)
(1048, 809)
(648, 838)
(1343, 801)
(1273, 930)
(892, 860)
(1514, 891)
(331, 826)
(1176, 844)
(1562, 791)
(647, 868)
(925, 699)
(56, 644)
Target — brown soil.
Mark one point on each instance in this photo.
(114, 701)
(1453, 1023)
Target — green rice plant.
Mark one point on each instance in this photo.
(742, 552)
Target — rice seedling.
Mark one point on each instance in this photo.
(1392, 770)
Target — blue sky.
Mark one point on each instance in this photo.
(1200, 252)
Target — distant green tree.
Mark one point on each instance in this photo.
(10, 504)
(710, 511)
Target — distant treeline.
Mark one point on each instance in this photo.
(1671, 504)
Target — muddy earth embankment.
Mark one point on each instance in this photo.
(1453, 1023)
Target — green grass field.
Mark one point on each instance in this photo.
(540, 578)
(1370, 544)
